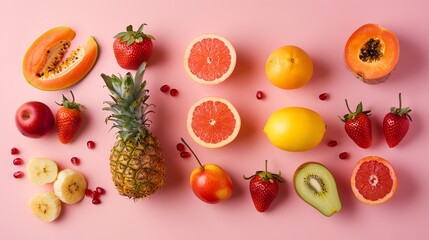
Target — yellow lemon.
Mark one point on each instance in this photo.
(295, 129)
(289, 67)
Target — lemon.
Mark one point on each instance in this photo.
(295, 129)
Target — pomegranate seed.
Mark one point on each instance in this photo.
(181, 147)
(185, 154)
(100, 190)
(18, 174)
(324, 96)
(14, 151)
(332, 143)
(90, 144)
(165, 88)
(174, 92)
(259, 95)
(18, 161)
(96, 201)
(75, 161)
(344, 155)
(94, 194)
(88, 192)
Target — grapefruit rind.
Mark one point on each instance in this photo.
(392, 173)
(222, 78)
(226, 140)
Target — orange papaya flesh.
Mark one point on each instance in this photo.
(46, 66)
(372, 53)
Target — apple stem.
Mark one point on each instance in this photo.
(193, 153)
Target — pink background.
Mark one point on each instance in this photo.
(255, 28)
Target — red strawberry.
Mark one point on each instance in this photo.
(68, 119)
(396, 124)
(358, 126)
(132, 48)
(264, 187)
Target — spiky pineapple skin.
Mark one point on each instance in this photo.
(137, 167)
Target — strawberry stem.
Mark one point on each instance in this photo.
(193, 153)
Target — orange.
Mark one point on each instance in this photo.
(213, 122)
(373, 180)
(210, 59)
(289, 67)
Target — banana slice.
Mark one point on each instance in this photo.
(42, 170)
(46, 206)
(70, 186)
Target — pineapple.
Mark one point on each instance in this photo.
(137, 163)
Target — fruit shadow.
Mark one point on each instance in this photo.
(412, 61)
(408, 187)
(321, 73)
(159, 55)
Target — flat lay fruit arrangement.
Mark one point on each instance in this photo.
(137, 160)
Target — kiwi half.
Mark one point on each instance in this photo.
(315, 184)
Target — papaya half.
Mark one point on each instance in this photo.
(372, 53)
(45, 65)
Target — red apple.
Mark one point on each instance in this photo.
(34, 119)
(211, 183)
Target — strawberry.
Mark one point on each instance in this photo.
(132, 48)
(68, 119)
(396, 124)
(358, 126)
(264, 187)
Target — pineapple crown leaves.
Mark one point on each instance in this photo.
(401, 111)
(128, 107)
(352, 115)
(266, 176)
(130, 36)
(69, 104)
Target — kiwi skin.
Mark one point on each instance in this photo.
(326, 203)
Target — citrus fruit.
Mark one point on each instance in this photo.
(373, 180)
(289, 67)
(295, 129)
(210, 59)
(213, 122)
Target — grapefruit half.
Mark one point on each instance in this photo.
(373, 180)
(210, 59)
(213, 122)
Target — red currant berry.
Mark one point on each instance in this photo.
(90, 144)
(75, 161)
(181, 147)
(18, 174)
(14, 151)
(344, 155)
(88, 192)
(259, 95)
(96, 201)
(165, 88)
(174, 92)
(185, 154)
(100, 190)
(18, 161)
(332, 143)
(324, 96)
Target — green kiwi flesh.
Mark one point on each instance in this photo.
(315, 184)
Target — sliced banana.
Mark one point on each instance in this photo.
(46, 206)
(42, 170)
(70, 186)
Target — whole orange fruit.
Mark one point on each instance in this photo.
(289, 67)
